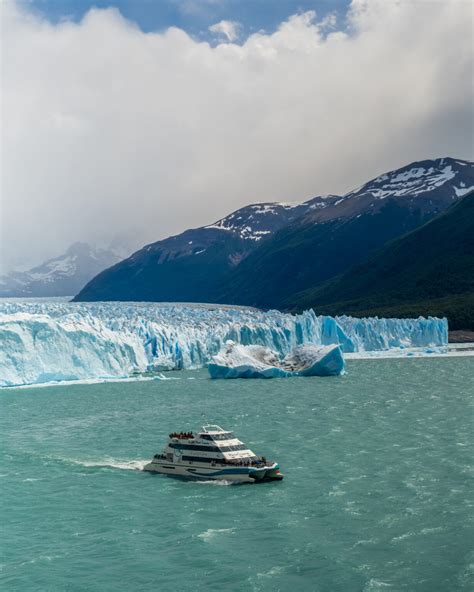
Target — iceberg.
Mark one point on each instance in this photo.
(315, 360)
(257, 361)
(43, 342)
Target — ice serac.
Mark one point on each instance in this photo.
(315, 360)
(257, 361)
(246, 361)
(44, 342)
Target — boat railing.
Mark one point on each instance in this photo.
(259, 462)
(212, 428)
(181, 435)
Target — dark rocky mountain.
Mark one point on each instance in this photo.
(192, 266)
(263, 254)
(428, 271)
(324, 243)
(62, 276)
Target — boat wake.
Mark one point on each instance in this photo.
(111, 463)
(217, 482)
(135, 465)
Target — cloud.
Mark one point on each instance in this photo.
(107, 129)
(227, 29)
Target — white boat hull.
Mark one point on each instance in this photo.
(223, 472)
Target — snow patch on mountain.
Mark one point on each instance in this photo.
(462, 190)
(413, 180)
(256, 221)
(65, 266)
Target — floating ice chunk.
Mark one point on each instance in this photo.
(246, 361)
(256, 361)
(316, 360)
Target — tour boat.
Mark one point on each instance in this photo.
(212, 453)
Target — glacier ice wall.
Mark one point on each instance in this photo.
(47, 341)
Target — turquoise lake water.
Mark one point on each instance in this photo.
(377, 492)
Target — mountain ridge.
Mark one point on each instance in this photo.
(263, 253)
(192, 265)
(322, 244)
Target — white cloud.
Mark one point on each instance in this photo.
(227, 29)
(106, 128)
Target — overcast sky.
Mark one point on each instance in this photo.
(144, 127)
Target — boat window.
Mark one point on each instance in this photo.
(225, 436)
(195, 447)
(232, 448)
(222, 461)
(205, 436)
(203, 459)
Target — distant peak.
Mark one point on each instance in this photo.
(78, 247)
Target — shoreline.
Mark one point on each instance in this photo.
(461, 336)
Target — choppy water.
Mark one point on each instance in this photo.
(376, 497)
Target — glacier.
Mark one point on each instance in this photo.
(43, 342)
(258, 361)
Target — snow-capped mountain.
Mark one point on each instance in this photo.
(191, 266)
(260, 220)
(260, 254)
(324, 243)
(429, 186)
(61, 276)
